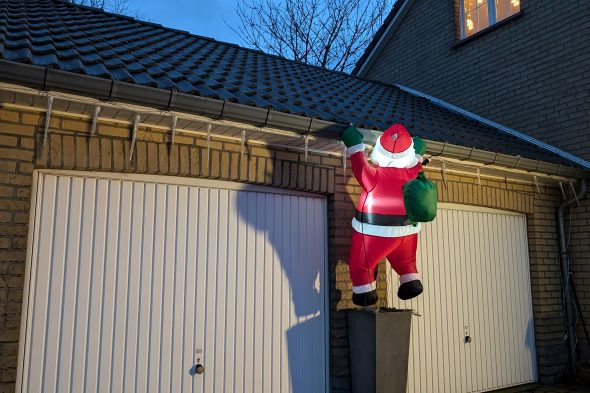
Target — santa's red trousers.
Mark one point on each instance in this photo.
(367, 251)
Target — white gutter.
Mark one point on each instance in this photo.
(545, 146)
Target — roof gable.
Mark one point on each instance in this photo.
(383, 35)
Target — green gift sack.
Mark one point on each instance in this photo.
(420, 199)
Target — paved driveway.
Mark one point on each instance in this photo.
(536, 388)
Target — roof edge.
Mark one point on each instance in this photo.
(46, 78)
(502, 128)
(383, 34)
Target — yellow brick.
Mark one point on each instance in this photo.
(225, 167)
(195, 160)
(118, 154)
(32, 119)
(7, 140)
(173, 159)
(9, 116)
(331, 161)
(27, 143)
(7, 166)
(69, 152)
(23, 192)
(185, 160)
(232, 147)
(81, 152)
(140, 155)
(261, 152)
(152, 157)
(16, 129)
(268, 173)
(150, 136)
(21, 217)
(287, 156)
(213, 145)
(16, 154)
(55, 150)
(6, 191)
(106, 154)
(183, 140)
(215, 161)
(163, 158)
(25, 167)
(93, 153)
(76, 125)
(105, 130)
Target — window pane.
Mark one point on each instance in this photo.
(477, 19)
(470, 5)
(471, 25)
(482, 13)
(505, 8)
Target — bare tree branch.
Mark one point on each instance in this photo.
(328, 33)
(121, 7)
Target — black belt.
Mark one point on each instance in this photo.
(381, 219)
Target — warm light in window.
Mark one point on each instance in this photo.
(469, 24)
(479, 2)
(515, 3)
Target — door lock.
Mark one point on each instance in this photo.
(467, 339)
(197, 369)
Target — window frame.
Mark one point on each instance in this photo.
(491, 18)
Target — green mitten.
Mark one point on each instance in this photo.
(419, 145)
(351, 136)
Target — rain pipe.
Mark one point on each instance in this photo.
(566, 275)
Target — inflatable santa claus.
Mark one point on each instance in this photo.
(383, 226)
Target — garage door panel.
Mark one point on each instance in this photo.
(134, 282)
(475, 271)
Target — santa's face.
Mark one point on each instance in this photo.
(386, 159)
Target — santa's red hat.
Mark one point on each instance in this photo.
(394, 148)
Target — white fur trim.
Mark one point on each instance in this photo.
(384, 158)
(384, 231)
(408, 277)
(355, 149)
(365, 288)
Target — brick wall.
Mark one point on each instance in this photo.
(532, 74)
(71, 147)
(16, 167)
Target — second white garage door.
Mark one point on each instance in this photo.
(135, 280)
(475, 332)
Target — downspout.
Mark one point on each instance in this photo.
(566, 275)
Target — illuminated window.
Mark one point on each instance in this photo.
(476, 15)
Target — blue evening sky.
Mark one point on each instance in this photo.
(200, 17)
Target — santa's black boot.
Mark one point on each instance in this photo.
(409, 290)
(365, 299)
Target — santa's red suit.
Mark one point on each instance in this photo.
(381, 229)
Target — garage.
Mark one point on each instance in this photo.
(475, 330)
(133, 281)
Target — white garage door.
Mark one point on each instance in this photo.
(475, 269)
(134, 280)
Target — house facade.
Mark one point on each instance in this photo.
(169, 201)
(522, 64)
(527, 70)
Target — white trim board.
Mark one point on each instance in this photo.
(178, 180)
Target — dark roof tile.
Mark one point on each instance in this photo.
(88, 41)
